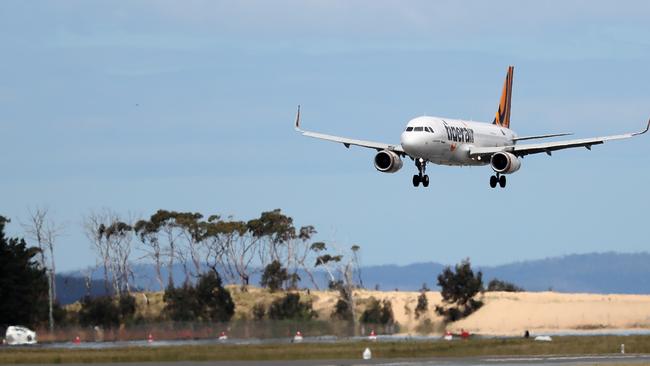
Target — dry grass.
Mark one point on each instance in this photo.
(347, 350)
(503, 313)
(149, 305)
(246, 300)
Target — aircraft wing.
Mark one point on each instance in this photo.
(348, 141)
(548, 147)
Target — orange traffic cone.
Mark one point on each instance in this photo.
(448, 336)
(297, 337)
(223, 336)
(373, 335)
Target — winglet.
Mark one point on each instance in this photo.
(647, 127)
(298, 120)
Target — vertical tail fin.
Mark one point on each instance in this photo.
(502, 117)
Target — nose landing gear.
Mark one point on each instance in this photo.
(421, 177)
(500, 179)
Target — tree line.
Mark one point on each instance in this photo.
(209, 250)
(212, 249)
(234, 248)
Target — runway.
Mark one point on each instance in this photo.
(468, 361)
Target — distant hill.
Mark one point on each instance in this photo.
(625, 273)
(610, 272)
(70, 288)
(594, 273)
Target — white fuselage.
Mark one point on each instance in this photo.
(447, 141)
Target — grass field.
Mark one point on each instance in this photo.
(343, 350)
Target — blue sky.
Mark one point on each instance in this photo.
(189, 105)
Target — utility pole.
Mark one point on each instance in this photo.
(51, 296)
(349, 284)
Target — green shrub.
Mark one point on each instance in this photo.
(274, 276)
(423, 305)
(459, 288)
(341, 311)
(207, 301)
(181, 303)
(100, 311)
(498, 285)
(126, 306)
(259, 310)
(377, 312)
(215, 302)
(425, 326)
(290, 307)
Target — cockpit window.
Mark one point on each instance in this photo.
(418, 129)
(409, 128)
(428, 129)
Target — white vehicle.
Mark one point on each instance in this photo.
(17, 335)
(454, 142)
(544, 339)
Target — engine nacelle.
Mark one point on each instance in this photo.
(505, 163)
(387, 161)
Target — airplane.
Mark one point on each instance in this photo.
(455, 142)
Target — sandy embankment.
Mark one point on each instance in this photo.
(513, 313)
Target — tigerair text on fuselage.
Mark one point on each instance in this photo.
(459, 134)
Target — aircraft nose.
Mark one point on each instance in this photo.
(408, 141)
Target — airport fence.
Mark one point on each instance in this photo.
(239, 329)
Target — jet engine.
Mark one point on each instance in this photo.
(505, 163)
(387, 161)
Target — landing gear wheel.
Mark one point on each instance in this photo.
(502, 181)
(421, 177)
(493, 181)
(425, 181)
(416, 180)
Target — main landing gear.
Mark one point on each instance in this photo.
(421, 177)
(500, 179)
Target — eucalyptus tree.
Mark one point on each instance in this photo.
(164, 223)
(35, 229)
(241, 250)
(273, 231)
(325, 260)
(193, 232)
(172, 235)
(341, 275)
(93, 224)
(148, 233)
(119, 235)
(302, 254)
(42, 229)
(218, 237)
(281, 241)
(111, 238)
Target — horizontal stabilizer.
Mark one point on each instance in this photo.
(547, 147)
